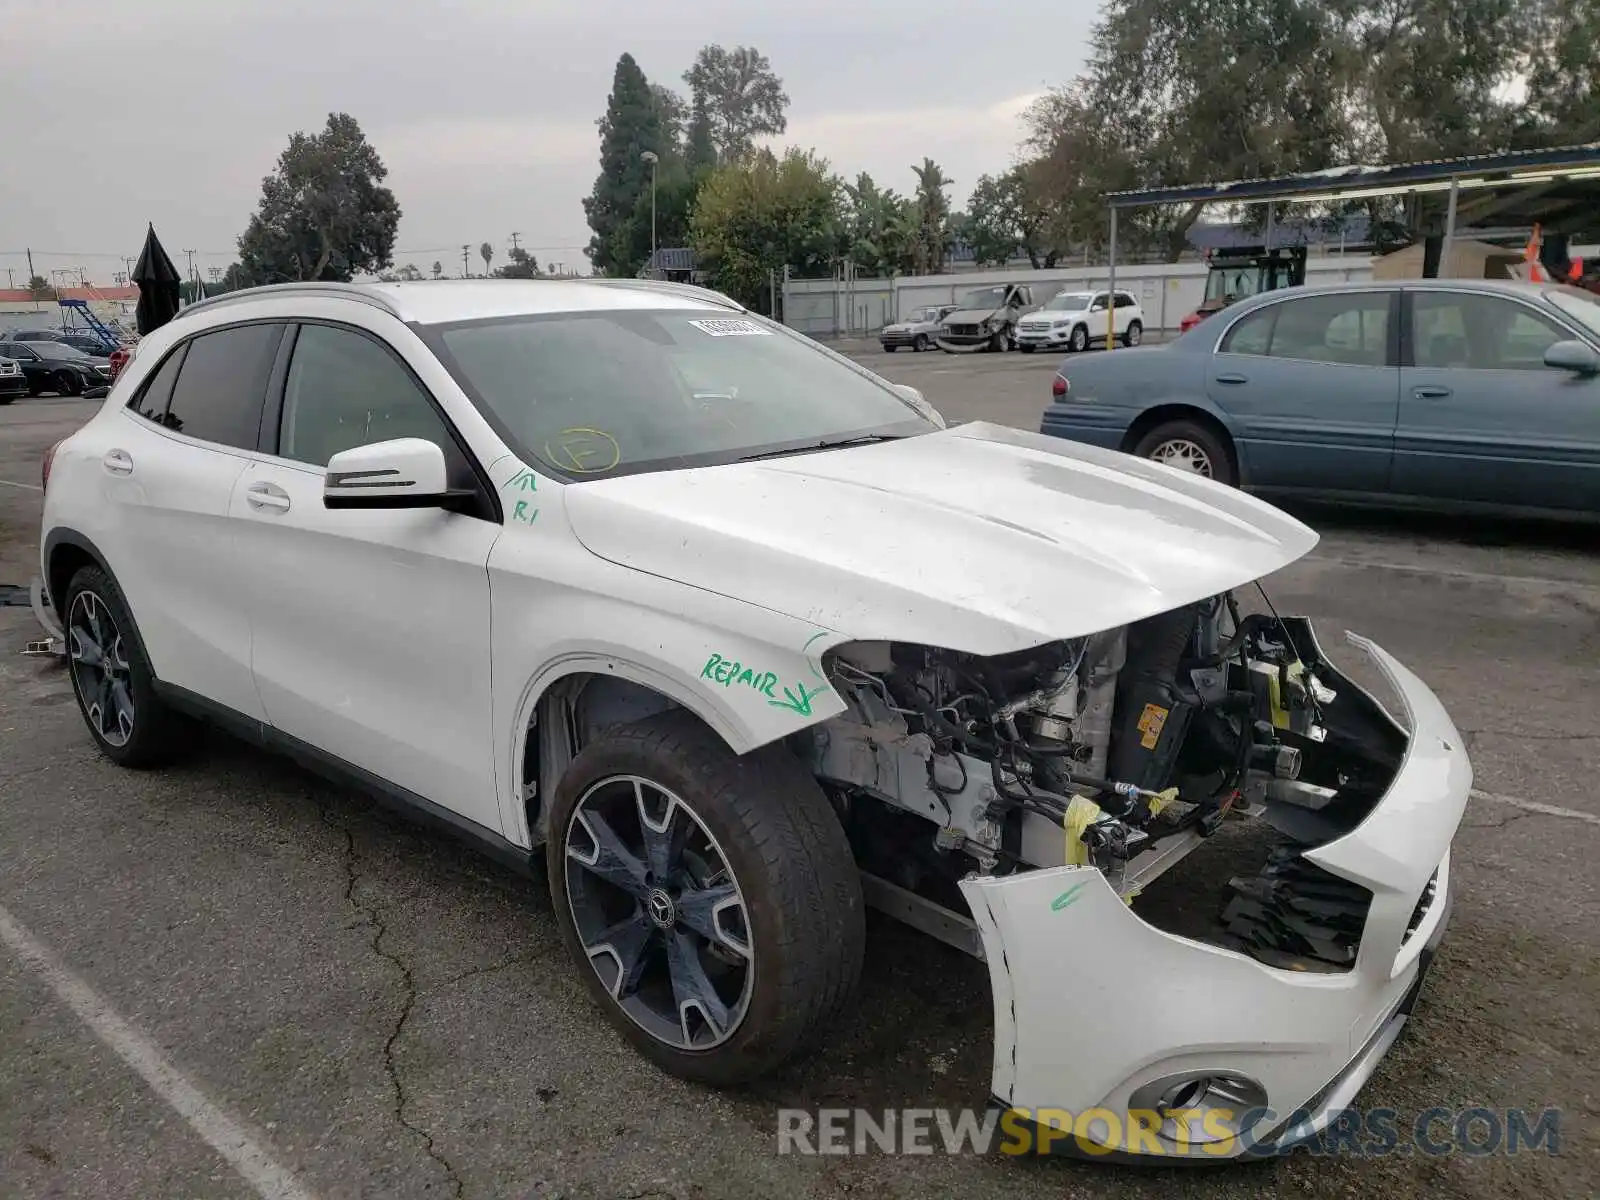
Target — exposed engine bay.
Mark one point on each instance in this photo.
(1124, 751)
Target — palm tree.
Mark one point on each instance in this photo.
(934, 207)
(488, 253)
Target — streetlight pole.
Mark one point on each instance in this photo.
(653, 159)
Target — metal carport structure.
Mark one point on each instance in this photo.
(1550, 186)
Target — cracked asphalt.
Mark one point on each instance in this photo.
(393, 1016)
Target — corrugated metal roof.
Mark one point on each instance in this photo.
(1399, 177)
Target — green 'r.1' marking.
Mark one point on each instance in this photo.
(524, 481)
(1067, 898)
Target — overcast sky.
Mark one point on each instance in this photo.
(119, 112)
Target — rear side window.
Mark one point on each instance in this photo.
(151, 402)
(222, 385)
(1253, 334)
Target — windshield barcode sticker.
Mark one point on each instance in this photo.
(731, 328)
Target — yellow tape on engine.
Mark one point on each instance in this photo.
(1081, 813)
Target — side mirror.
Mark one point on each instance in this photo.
(920, 403)
(403, 473)
(1573, 356)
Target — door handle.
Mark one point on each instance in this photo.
(1429, 391)
(118, 462)
(1232, 379)
(267, 496)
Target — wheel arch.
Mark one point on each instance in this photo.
(66, 552)
(574, 698)
(1183, 410)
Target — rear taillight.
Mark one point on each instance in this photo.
(1059, 386)
(49, 458)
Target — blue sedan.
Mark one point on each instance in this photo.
(1434, 393)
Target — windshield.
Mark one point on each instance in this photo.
(599, 394)
(925, 314)
(1581, 306)
(1233, 283)
(55, 350)
(984, 298)
(1070, 302)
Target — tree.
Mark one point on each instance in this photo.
(1189, 90)
(486, 251)
(759, 215)
(324, 212)
(39, 288)
(741, 97)
(879, 228)
(438, 269)
(522, 266)
(674, 113)
(631, 125)
(700, 150)
(933, 218)
(1562, 104)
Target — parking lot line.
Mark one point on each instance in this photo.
(1534, 806)
(32, 487)
(270, 1179)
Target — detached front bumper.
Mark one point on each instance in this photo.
(1153, 1047)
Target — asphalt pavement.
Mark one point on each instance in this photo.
(231, 979)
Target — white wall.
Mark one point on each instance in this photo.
(1167, 291)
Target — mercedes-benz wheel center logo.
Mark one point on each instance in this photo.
(661, 909)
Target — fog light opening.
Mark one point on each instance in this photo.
(1202, 1108)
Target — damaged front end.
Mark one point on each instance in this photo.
(1062, 782)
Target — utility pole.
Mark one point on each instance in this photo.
(31, 271)
(465, 251)
(10, 282)
(128, 263)
(216, 274)
(514, 236)
(653, 159)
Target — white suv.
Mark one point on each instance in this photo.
(1076, 320)
(739, 638)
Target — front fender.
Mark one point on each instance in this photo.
(557, 610)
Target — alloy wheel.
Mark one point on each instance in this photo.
(100, 671)
(659, 913)
(1184, 455)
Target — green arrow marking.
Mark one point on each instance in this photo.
(800, 704)
(1067, 898)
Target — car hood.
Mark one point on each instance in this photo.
(970, 316)
(1054, 314)
(977, 538)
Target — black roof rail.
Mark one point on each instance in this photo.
(689, 291)
(344, 291)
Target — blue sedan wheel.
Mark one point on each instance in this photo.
(1189, 446)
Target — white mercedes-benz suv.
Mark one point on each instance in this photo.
(741, 638)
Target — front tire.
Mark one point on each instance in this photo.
(710, 901)
(920, 343)
(888, 349)
(112, 680)
(65, 383)
(1079, 341)
(1189, 446)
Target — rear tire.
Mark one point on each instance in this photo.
(112, 680)
(1189, 445)
(786, 877)
(1134, 335)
